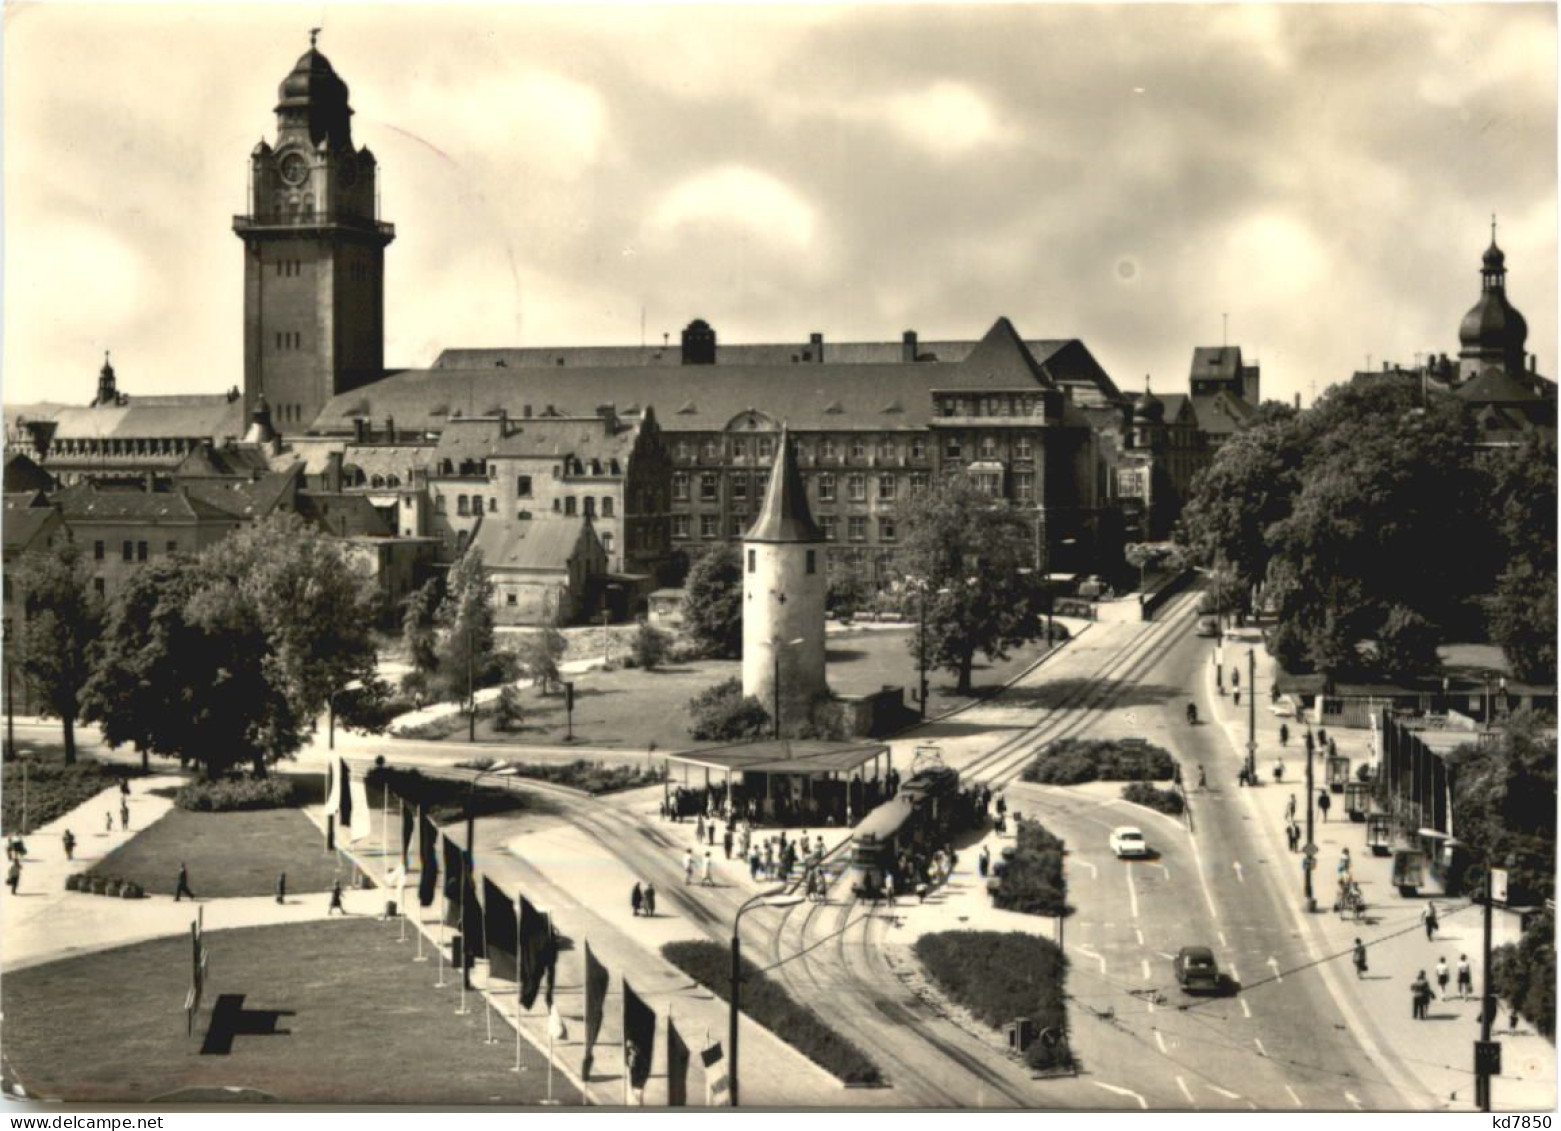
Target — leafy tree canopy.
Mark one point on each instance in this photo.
(63, 618)
(975, 555)
(713, 601)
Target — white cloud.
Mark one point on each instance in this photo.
(72, 277)
(946, 119)
(736, 197)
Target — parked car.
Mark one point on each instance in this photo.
(1128, 842)
(1208, 626)
(1196, 970)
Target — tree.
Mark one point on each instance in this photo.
(974, 554)
(650, 646)
(722, 713)
(420, 623)
(1504, 804)
(849, 587)
(510, 712)
(1525, 973)
(1157, 556)
(229, 657)
(713, 601)
(1522, 611)
(539, 655)
(63, 619)
(1407, 644)
(467, 655)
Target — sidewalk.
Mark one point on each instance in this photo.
(44, 922)
(564, 870)
(1439, 1056)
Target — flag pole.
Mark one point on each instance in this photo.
(518, 989)
(466, 943)
(625, 1026)
(384, 821)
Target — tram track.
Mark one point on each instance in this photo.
(1099, 691)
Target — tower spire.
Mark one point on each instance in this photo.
(314, 34)
(1493, 229)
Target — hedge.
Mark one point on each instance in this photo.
(1071, 761)
(1525, 974)
(230, 795)
(54, 789)
(1001, 976)
(1033, 882)
(1161, 800)
(767, 1003)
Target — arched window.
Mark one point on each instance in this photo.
(377, 481)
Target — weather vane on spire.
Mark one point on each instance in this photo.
(314, 33)
(1493, 227)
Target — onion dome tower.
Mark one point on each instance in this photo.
(1493, 332)
(783, 597)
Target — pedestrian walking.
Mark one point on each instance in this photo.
(13, 875)
(1344, 864)
(1284, 734)
(281, 887)
(1293, 832)
(108, 823)
(1237, 693)
(1360, 959)
(182, 888)
(1432, 923)
(1443, 976)
(336, 903)
(650, 900)
(688, 866)
(699, 827)
(1203, 781)
(726, 842)
(636, 898)
(1421, 991)
(1279, 770)
(1324, 803)
(124, 816)
(888, 886)
(69, 839)
(1290, 808)
(710, 833)
(984, 861)
(705, 878)
(1465, 978)
(1002, 805)
(753, 863)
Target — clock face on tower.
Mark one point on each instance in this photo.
(295, 170)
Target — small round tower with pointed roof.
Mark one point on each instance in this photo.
(783, 597)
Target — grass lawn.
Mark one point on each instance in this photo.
(763, 999)
(356, 1022)
(637, 709)
(227, 853)
(53, 788)
(1000, 975)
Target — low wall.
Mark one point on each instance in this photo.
(1149, 603)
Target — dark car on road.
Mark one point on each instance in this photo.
(1196, 970)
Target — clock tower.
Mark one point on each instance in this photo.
(314, 254)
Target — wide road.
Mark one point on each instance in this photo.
(1281, 1040)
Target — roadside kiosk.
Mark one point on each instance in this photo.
(1357, 800)
(1379, 834)
(1408, 871)
(1338, 772)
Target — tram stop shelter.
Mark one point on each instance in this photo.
(783, 781)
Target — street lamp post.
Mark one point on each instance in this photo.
(1309, 860)
(921, 648)
(1487, 1055)
(1251, 716)
(775, 898)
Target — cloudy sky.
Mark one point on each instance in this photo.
(1126, 175)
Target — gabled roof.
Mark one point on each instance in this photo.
(240, 460)
(1221, 363)
(545, 543)
(154, 418)
(704, 398)
(670, 356)
(1221, 413)
(585, 437)
(1001, 358)
(249, 498)
(1494, 385)
(27, 518)
(23, 474)
(785, 516)
(86, 503)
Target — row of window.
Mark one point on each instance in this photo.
(288, 340)
(763, 447)
(464, 537)
(856, 527)
(954, 447)
(469, 505)
(129, 551)
(289, 268)
(999, 404)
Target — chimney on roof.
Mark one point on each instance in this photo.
(1533, 363)
(698, 343)
(333, 472)
(360, 429)
(816, 346)
(390, 429)
(609, 413)
(908, 347)
(525, 411)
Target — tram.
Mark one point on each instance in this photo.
(917, 821)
